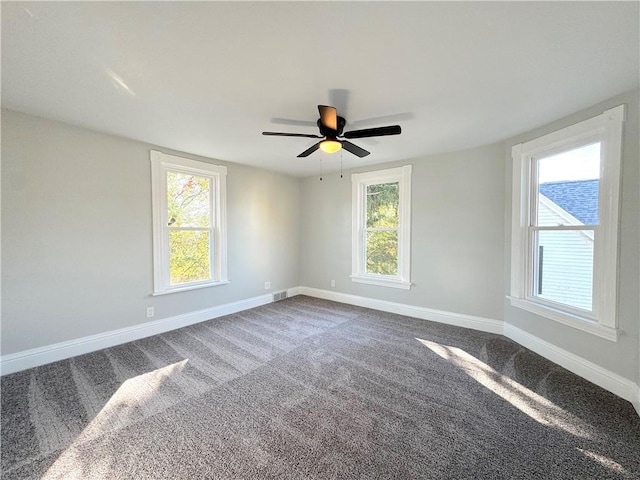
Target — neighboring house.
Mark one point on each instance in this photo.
(579, 198)
(566, 275)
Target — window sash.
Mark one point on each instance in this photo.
(367, 231)
(563, 227)
(212, 179)
(206, 229)
(533, 277)
(211, 251)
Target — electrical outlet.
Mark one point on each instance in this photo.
(333, 283)
(150, 312)
(267, 285)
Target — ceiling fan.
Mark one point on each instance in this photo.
(331, 131)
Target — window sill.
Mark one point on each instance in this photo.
(190, 287)
(581, 323)
(381, 282)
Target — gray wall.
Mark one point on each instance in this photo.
(76, 245)
(622, 356)
(77, 237)
(457, 233)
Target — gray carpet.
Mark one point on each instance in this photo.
(307, 388)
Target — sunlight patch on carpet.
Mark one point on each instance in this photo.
(602, 460)
(134, 400)
(527, 401)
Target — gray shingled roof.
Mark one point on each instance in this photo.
(579, 198)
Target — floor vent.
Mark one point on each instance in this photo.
(279, 296)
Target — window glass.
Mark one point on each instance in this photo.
(188, 200)
(564, 267)
(382, 205)
(189, 254)
(382, 252)
(568, 186)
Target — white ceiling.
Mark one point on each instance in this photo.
(207, 78)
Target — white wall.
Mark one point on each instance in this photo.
(77, 237)
(457, 234)
(619, 357)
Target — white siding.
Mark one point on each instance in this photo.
(567, 273)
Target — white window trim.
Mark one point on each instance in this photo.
(606, 128)
(161, 163)
(359, 182)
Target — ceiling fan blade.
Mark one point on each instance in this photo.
(395, 117)
(356, 150)
(310, 150)
(280, 134)
(301, 123)
(339, 97)
(328, 117)
(374, 132)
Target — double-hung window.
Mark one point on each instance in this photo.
(189, 228)
(381, 203)
(565, 224)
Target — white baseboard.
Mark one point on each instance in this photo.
(458, 319)
(292, 292)
(606, 379)
(35, 357)
(586, 369)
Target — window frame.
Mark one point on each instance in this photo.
(360, 182)
(607, 129)
(162, 163)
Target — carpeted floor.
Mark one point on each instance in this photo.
(307, 388)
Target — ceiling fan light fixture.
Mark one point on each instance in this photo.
(330, 146)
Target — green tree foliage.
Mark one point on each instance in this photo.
(189, 205)
(382, 223)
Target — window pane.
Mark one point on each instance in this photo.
(382, 253)
(564, 267)
(568, 187)
(188, 199)
(189, 256)
(382, 205)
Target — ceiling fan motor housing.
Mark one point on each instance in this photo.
(329, 132)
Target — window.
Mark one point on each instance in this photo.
(382, 227)
(189, 227)
(565, 224)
